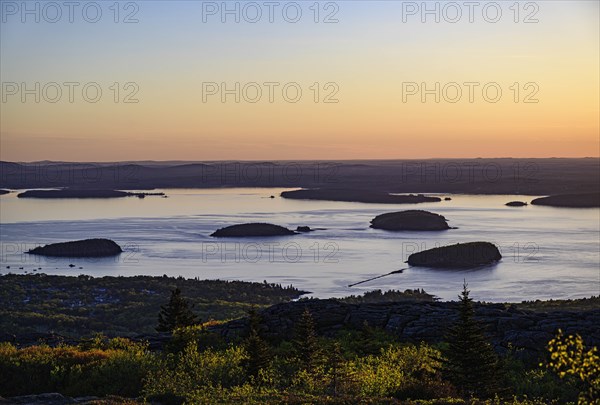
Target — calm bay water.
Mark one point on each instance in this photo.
(547, 252)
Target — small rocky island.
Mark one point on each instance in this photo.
(516, 204)
(362, 196)
(412, 220)
(252, 229)
(586, 200)
(82, 193)
(79, 248)
(460, 255)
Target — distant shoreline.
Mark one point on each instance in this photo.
(83, 193)
(535, 177)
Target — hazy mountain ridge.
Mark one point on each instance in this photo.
(470, 176)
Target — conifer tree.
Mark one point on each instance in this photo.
(367, 340)
(306, 343)
(176, 314)
(470, 362)
(259, 353)
(336, 367)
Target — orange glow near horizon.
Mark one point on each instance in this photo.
(369, 55)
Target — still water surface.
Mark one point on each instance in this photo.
(547, 252)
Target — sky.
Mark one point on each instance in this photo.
(183, 80)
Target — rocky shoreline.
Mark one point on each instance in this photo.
(525, 332)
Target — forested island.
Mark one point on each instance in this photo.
(83, 193)
(79, 248)
(252, 229)
(413, 220)
(363, 196)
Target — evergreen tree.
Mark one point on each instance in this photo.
(336, 367)
(176, 314)
(259, 353)
(470, 361)
(367, 340)
(306, 343)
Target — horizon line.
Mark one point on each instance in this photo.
(297, 160)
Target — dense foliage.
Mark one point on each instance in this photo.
(581, 304)
(569, 358)
(120, 306)
(389, 296)
(211, 371)
(101, 367)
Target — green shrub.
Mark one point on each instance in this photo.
(537, 382)
(118, 369)
(571, 359)
(179, 375)
(197, 334)
(401, 372)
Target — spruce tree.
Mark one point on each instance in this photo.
(259, 353)
(176, 314)
(367, 340)
(470, 361)
(306, 343)
(336, 367)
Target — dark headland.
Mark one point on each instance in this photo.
(251, 230)
(460, 255)
(2, 192)
(79, 248)
(362, 196)
(412, 220)
(587, 200)
(83, 193)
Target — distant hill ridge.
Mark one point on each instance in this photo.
(470, 176)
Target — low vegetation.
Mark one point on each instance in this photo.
(389, 296)
(359, 366)
(305, 370)
(582, 304)
(120, 306)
